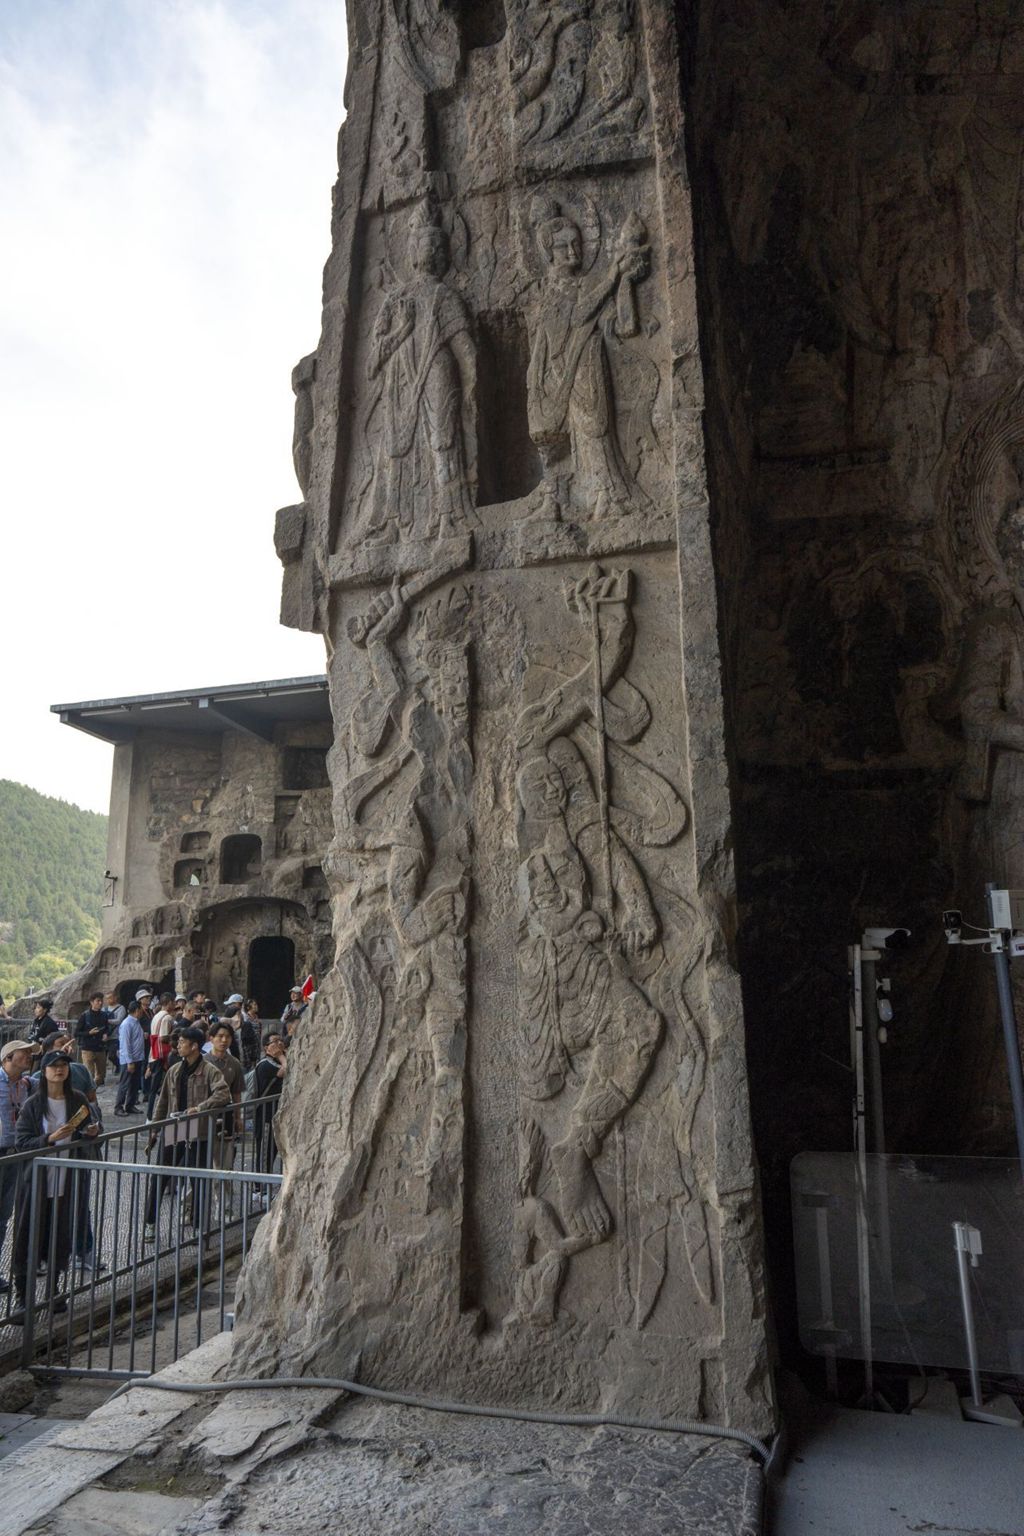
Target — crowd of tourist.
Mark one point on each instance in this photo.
(194, 1064)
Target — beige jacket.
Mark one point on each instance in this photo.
(207, 1089)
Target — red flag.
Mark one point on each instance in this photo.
(308, 988)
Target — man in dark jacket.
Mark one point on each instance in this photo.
(42, 1023)
(192, 1086)
(91, 1038)
(267, 1082)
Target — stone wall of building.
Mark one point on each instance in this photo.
(216, 840)
(518, 1163)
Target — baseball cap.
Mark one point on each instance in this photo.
(236, 997)
(143, 992)
(14, 1045)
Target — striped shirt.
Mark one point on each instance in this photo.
(12, 1097)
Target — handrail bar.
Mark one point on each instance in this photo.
(180, 1170)
(137, 1129)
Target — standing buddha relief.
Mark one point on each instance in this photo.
(420, 427)
(570, 394)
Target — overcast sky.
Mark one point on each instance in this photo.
(165, 177)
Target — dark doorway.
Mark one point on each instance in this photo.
(241, 858)
(508, 463)
(271, 974)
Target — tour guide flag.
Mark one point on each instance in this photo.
(308, 989)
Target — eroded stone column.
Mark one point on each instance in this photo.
(518, 1162)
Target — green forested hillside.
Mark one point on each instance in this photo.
(51, 886)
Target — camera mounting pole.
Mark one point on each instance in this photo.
(999, 904)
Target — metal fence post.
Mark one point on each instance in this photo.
(31, 1268)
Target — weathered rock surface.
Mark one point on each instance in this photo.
(412, 1473)
(857, 176)
(518, 1163)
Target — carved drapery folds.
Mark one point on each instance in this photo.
(576, 78)
(419, 424)
(517, 1124)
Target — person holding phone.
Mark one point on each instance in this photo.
(55, 1118)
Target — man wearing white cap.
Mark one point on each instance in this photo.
(144, 997)
(15, 1060)
(295, 1008)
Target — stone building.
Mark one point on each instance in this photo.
(219, 822)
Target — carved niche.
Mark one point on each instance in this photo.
(420, 428)
(571, 401)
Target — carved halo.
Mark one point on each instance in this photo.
(399, 232)
(581, 210)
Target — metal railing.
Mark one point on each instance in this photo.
(171, 1265)
(101, 1210)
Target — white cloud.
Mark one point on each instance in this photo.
(165, 176)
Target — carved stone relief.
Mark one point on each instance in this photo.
(521, 1046)
(420, 421)
(592, 947)
(576, 77)
(401, 860)
(572, 409)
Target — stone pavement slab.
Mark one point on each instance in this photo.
(406, 1472)
(43, 1481)
(109, 1512)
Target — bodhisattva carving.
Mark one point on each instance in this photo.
(410, 808)
(420, 421)
(570, 396)
(429, 45)
(588, 930)
(573, 66)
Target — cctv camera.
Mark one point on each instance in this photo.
(886, 938)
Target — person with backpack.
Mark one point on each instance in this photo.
(115, 1013)
(159, 1050)
(265, 1081)
(248, 1023)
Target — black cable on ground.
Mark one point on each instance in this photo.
(443, 1405)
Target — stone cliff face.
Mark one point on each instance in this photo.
(518, 1163)
(858, 210)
